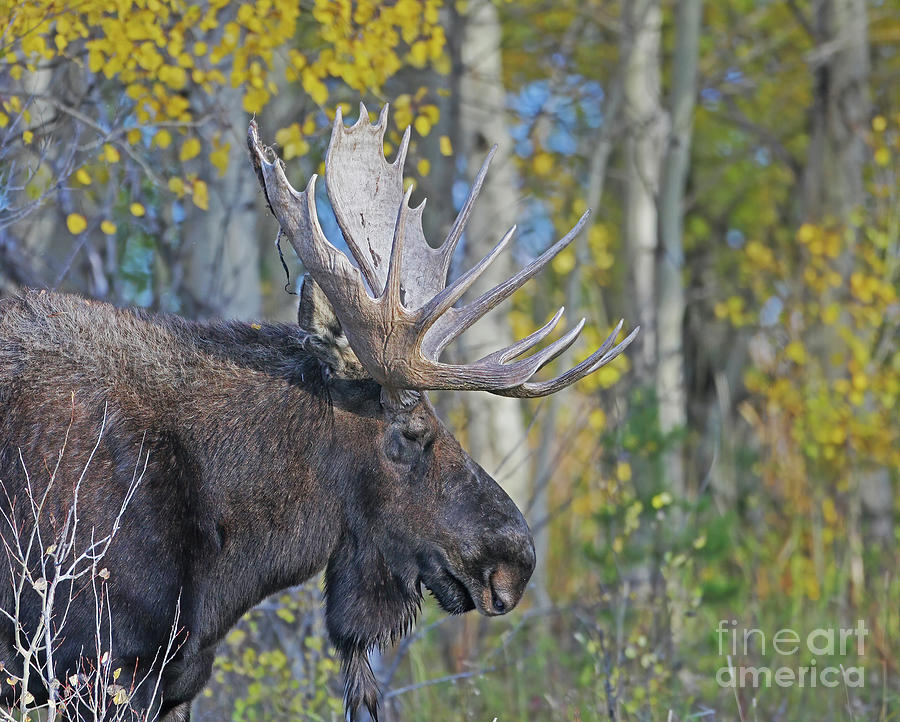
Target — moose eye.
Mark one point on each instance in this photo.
(413, 434)
(405, 444)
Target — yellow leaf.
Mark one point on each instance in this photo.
(316, 89)
(95, 60)
(137, 209)
(219, 159)
(607, 376)
(174, 76)
(110, 154)
(604, 260)
(162, 139)
(564, 262)
(446, 146)
(76, 223)
(83, 177)
(882, 156)
(424, 166)
(879, 124)
(542, 163)
(201, 195)
(27, 137)
(418, 54)
(108, 227)
(829, 512)
(176, 185)
(422, 125)
(256, 98)
(623, 471)
(795, 352)
(806, 233)
(189, 149)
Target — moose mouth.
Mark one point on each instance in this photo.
(458, 593)
(449, 590)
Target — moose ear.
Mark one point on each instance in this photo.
(327, 340)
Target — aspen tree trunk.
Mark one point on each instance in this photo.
(833, 180)
(643, 118)
(670, 363)
(223, 267)
(643, 145)
(833, 187)
(495, 429)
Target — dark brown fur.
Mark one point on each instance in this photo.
(265, 466)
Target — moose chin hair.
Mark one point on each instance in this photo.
(364, 612)
(360, 685)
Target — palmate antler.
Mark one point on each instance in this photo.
(399, 328)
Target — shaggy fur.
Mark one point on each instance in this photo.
(264, 466)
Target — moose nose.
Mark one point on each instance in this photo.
(504, 589)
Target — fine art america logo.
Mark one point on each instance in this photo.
(736, 642)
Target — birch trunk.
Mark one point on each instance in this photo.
(223, 268)
(833, 180)
(644, 123)
(834, 186)
(495, 429)
(670, 362)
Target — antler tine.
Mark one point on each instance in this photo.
(462, 218)
(542, 357)
(470, 313)
(492, 376)
(452, 293)
(600, 357)
(400, 160)
(487, 374)
(392, 286)
(516, 349)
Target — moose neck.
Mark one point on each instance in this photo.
(266, 438)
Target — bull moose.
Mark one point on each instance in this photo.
(264, 452)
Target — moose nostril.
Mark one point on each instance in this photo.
(498, 604)
(503, 596)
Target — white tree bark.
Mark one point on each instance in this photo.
(643, 154)
(670, 308)
(833, 182)
(223, 269)
(495, 430)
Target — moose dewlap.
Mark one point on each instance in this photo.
(161, 476)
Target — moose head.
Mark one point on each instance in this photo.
(433, 517)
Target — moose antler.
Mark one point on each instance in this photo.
(399, 320)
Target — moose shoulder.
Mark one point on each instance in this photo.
(267, 452)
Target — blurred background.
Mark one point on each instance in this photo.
(738, 470)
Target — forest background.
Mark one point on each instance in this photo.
(741, 158)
